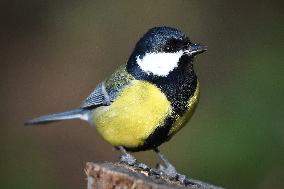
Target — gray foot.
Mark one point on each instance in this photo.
(131, 160)
(169, 170)
(126, 157)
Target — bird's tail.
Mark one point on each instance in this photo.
(72, 114)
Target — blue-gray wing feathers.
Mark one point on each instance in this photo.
(98, 97)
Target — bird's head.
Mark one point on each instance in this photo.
(162, 50)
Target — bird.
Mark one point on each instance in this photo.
(145, 101)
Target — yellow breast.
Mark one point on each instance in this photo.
(133, 116)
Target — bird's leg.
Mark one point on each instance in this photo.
(130, 160)
(126, 157)
(171, 171)
(167, 168)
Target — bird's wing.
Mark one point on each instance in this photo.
(99, 97)
(108, 90)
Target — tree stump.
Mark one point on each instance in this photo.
(121, 176)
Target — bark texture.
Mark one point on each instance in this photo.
(121, 176)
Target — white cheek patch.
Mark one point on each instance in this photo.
(160, 64)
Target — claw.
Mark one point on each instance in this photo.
(143, 166)
(126, 157)
(168, 168)
(131, 160)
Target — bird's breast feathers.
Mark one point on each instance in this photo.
(136, 112)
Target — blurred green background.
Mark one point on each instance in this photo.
(53, 53)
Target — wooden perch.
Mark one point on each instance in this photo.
(121, 176)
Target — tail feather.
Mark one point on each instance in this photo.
(72, 114)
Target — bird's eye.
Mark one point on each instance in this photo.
(168, 48)
(173, 45)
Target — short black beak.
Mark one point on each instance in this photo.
(194, 49)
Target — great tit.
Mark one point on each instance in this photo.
(147, 100)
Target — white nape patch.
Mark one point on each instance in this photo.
(160, 64)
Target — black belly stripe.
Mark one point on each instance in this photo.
(157, 137)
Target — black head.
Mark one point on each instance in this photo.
(160, 50)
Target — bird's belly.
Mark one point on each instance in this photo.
(133, 116)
